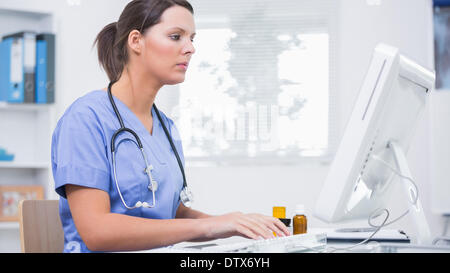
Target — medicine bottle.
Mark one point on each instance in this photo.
(299, 221)
(279, 212)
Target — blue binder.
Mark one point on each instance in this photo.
(5, 64)
(14, 76)
(45, 68)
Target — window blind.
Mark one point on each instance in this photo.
(261, 83)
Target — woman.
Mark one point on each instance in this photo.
(113, 196)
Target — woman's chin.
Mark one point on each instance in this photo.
(175, 81)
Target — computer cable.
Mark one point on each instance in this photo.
(416, 197)
(378, 212)
(444, 236)
(441, 238)
(444, 232)
(333, 249)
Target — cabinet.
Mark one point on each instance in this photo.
(25, 129)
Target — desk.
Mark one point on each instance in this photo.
(381, 246)
(376, 247)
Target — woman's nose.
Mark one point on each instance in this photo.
(189, 48)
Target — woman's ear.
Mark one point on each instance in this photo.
(135, 41)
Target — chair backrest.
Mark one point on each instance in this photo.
(40, 226)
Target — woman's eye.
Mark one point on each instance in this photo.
(177, 37)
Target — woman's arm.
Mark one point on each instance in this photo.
(185, 212)
(102, 230)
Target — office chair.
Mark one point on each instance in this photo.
(40, 226)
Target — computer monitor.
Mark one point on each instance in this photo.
(371, 154)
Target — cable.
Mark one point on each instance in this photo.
(401, 175)
(333, 249)
(416, 190)
(376, 213)
(442, 238)
(444, 233)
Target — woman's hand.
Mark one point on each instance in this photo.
(253, 226)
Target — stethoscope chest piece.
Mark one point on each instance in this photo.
(186, 197)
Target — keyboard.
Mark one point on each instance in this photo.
(308, 242)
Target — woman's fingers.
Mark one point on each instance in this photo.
(256, 226)
(273, 224)
(282, 227)
(246, 232)
(278, 231)
(264, 225)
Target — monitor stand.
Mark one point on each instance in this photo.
(423, 234)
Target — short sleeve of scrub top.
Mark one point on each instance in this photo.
(79, 151)
(81, 156)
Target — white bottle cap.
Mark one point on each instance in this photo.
(300, 209)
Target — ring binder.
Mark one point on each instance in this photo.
(22, 62)
(45, 68)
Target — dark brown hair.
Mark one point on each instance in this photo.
(137, 15)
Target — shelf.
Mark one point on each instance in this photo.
(24, 106)
(24, 165)
(9, 225)
(36, 14)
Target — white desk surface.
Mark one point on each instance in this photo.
(370, 247)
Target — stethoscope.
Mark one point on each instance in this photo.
(185, 195)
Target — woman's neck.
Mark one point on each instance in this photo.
(136, 91)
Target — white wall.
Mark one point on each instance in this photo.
(440, 152)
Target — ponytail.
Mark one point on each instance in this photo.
(107, 53)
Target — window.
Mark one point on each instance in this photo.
(259, 85)
(441, 23)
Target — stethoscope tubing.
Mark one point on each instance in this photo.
(139, 143)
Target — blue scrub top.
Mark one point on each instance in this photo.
(81, 155)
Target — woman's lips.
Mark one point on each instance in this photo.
(183, 66)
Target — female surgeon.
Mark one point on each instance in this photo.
(123, 189)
